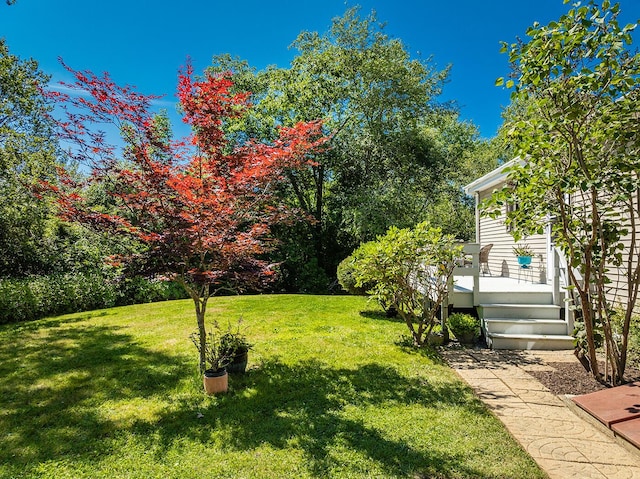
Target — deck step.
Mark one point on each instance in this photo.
(519, 311)
(518, 297)
(525, 326)
(547, 342)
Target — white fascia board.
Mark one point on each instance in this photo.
(492, 178)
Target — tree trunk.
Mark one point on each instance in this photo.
(200, 298)
(202, 337)
(319, 200)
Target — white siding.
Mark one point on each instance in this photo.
(618, 291)
(619, 287)
(502, 261)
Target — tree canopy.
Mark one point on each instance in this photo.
(27, 155)
(396, 153)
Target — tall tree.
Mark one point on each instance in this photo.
(27, 154)
(575, 122)
(201, 207)
(371, 95)
(388, 161)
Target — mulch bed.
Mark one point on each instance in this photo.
(572, 378)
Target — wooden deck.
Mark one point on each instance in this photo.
(497, 284)
(469, 288)
(515, 313)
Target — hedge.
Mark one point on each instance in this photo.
(39, 296)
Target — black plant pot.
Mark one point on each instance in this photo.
(239, 361)
(467, 338)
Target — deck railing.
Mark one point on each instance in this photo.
(467, 265)
(562, 279)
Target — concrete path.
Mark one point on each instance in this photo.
(563, 443)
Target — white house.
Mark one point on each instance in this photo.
(520, 308)
(518, 318)
(502, 261)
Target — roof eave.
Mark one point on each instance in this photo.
(491, 179)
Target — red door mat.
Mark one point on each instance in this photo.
(612, 406)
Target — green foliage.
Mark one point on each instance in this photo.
(346, 270)
(143, 290)
(396, 157)
(463, 325)
(409, 270)
(25, 299)
(35, 297)
(575, 121)
(233, 340)
(27, 155)
(328, 394)
(216, 355)
(299, 269)
(32, 241)
(634, 339)
(523, 249)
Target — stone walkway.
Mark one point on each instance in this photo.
(563, 443)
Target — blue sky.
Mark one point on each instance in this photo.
(143, 42)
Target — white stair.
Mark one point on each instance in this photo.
(517, 321)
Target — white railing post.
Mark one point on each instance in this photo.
(473, 250)
(561, 275)
(556, 277)
(475, 255)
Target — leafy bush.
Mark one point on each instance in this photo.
(38, 296)
(346, 270)
(143, 290)
(464, 326)
(409, 271)
(633, 348)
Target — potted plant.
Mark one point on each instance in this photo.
(234, 344)
(524, 252)
(464, 327)
(215, 377)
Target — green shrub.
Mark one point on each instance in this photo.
(143, 290)
(464, 326)
(38, 296)
(409, 270)
(309, 277)
(633, 348)
(345, 272)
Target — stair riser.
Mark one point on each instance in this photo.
(461, 300)
(526, 327)
(529, 344)
(513, 312)
(516, 298)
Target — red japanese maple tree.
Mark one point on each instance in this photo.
(202, 207)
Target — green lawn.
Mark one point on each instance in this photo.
(330, 392)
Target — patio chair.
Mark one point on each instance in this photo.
(484, 259)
